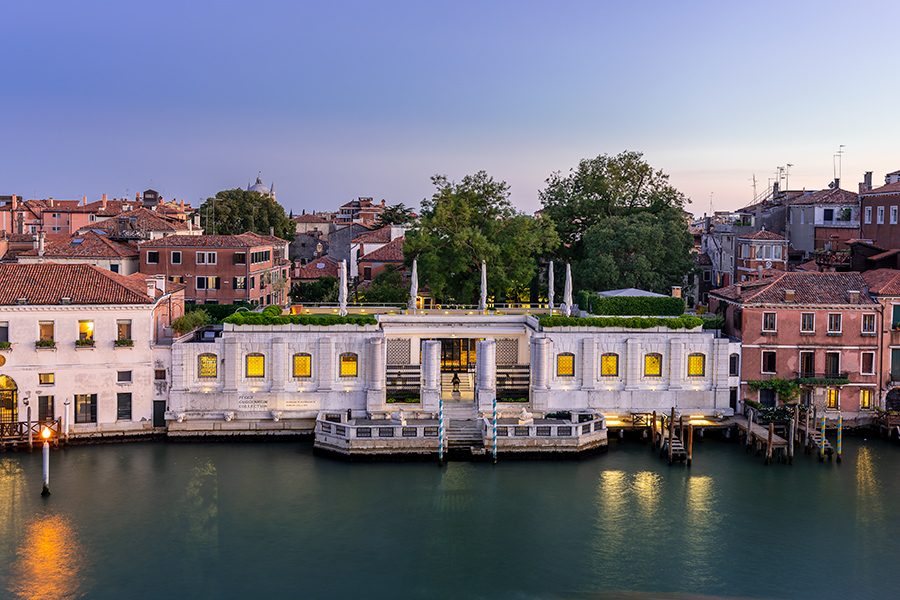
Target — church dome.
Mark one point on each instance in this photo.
(259, 187)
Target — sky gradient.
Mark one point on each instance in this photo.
(343, 99)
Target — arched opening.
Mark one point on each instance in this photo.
(9, 400)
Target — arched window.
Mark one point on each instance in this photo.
(302, 365)
(256, 365)
(653, 365)
(565, 364)
(734, 364)
(609, 365)
(349, 365)
(696, 364)
(207, 366)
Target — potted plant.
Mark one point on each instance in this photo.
(45, 344)
(89, 342)
(5, 345)
(124, 343)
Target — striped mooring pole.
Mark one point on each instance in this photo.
(822, 445)
(840, 426)
(495, 431)
(441, 433)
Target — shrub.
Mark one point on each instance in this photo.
(246, 318)
(216, 312)
(89, 342)
(684, 322)
(644, 306)
(125, 343)
(190, 321)
(45, 344)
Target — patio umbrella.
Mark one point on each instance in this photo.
(550, 286)
(567, 293)
(413, 287)
(482, 303)
(342, 293)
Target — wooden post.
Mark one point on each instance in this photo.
(653, 431)
(769, 445)
(791, 440)
(749, 428)
(28, 413)
(690, 444)
(671, 433)
(681, 428)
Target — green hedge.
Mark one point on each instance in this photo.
(685, 322)
(247, 318)
(217, 312)
(645, 306)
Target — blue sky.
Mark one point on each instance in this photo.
(343, 99)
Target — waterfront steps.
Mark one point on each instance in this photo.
(464, 433)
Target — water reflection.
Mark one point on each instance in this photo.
(869, 505)
(12, 493)
(701, 524)
(50, 561)
(201, 507)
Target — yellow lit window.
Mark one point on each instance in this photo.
(302, 365)
(208, 365)
(609, 365)
(865, 399)
(348, 365)
(565, 365)
(832, 399)
(46, 331)
(45, 378)
(256, 365)
(85, 330)
(653, 365)
(696, 365)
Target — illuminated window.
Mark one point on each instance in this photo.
(653, 365)
(696, 365)
(85, 408)
(565, 365)
(609, 365)
(832, 399)
(302, 365)
(348, 365)
(123, 329)
(256, 365)
(46, 331)
(85, 330)
(208, 365)
(865, 399)
(45, 378)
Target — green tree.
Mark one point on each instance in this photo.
(387, 287)
(398, 214)
(470, 221)
(620, 223)
(323, 289)
(237, 211)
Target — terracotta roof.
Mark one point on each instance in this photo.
(266, 239)
(883, 282)
(309, 219)
(883, 255)
(321, 267)
(811, 266)
(48, 283)
(809, 289)
(170, 286)
(390, 252)
(379, 236)
(704, 260)
(827, 196)
(141, 219)
(243, 240)
(891, 188)
(762, 235)
(85, 245)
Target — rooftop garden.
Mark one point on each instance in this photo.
(683, 322)
(271, 315)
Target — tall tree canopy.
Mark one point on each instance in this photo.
(621, 224)
(470, 221)
(398, 214)
(236, 211)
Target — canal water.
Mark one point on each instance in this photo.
(247, 520)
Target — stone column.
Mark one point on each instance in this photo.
(676, 364)
(588, 363)
(325, 360)
(431, 375)
(232, 365)
(718, 371)
(278, 360)
(375, 389)
(485, 374)
(540, 369)
(633, 364)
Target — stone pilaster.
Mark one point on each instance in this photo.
(325, 361)
(540, 362)
(232, 366)
(588, 363)
(278, 360)
(633, 364)
(676, 364)
(431, 375)
(485, 374)
(375, 390)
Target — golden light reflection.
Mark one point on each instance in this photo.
(869, 505)
(647, 489)
(702, 520)
(50, 561)
(12, 493)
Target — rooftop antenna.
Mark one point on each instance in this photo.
(711, 213)
(837, 165)
(753, 179)
(787, 175)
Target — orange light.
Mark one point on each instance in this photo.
(45, 433)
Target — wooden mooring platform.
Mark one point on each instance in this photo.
(26, 434)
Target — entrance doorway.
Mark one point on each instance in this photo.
(9, 402)
(457, 355)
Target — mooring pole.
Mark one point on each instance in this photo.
(749, 428)
(840, 426)
(441, 433)
(653, 430)
(46, 434)
(769, 444)
(690, 444)
(66, 420)
(806, 431)
(792, 440)
(681, 428)
(495, 431)
(28, 416)
(671, 433)
(822, 445)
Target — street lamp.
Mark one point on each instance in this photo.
(46, 435)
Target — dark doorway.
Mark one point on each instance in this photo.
(159, 413)
(892, 400)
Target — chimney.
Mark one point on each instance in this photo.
(676, 291)
(272, 231)
(83, 200)
(137, 196)
(837, 183)
(182, 205)
(104, 197)
(15, 202)
(788, 295)
(40, 243)
(151, 289)
(51, 202)
(854, 296)
(102, 202)
(759, 272)
(867, 180)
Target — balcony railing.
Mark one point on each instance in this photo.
(826, 378)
